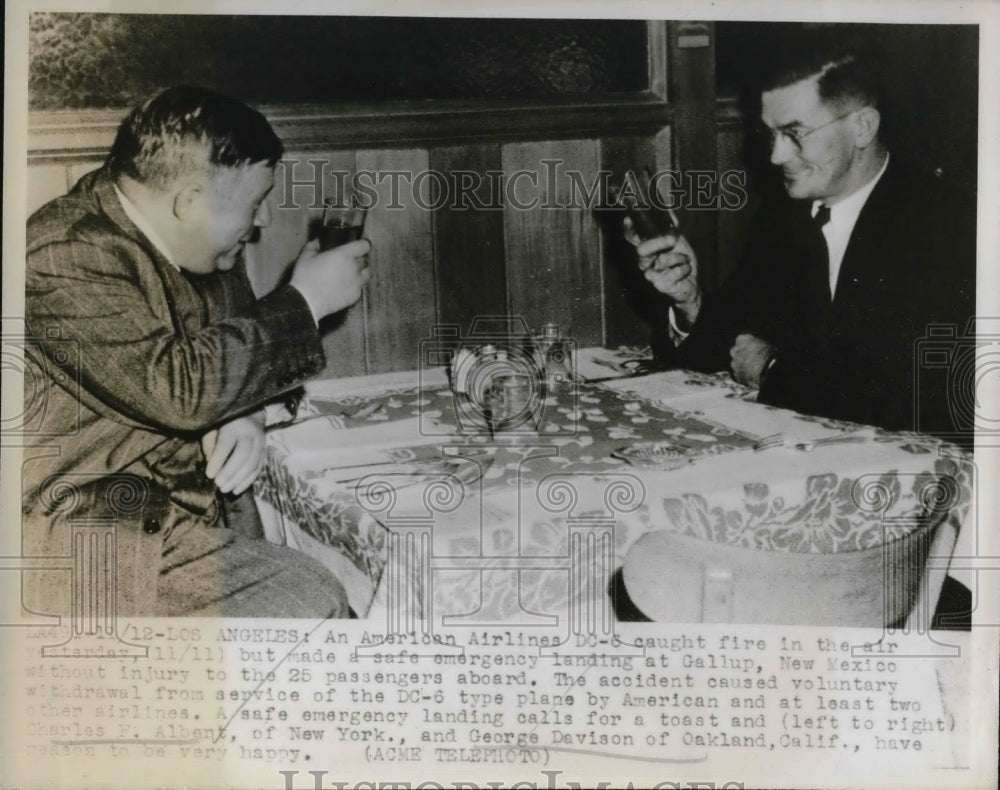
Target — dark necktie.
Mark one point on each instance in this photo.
(820, 219)
(822, 216)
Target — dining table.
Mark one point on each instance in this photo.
(431, 520)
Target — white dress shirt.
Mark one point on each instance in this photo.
(132, 212)
(837, 232)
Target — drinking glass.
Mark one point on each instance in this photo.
(341, 224)
(649, 220)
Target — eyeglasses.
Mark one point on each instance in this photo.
(769, 135)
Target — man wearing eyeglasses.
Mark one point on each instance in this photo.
(840, 282)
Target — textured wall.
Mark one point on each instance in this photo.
(113, 60)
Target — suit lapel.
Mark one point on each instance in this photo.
(184, 302)
(111, 207)
(815, 260)
(866, 258)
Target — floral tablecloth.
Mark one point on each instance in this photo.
(489, 523)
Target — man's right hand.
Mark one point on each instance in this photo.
(331, 281)
(671, 266)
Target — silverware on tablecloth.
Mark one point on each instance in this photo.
(434, 458)
(660, 456)
(627, 367)
(466, 473)
(790, 442)
(337, 420)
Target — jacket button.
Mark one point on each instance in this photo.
(151, 526)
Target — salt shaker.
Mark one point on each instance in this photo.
(554, 352)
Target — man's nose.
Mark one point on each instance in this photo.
(782, 150)
(263, 216)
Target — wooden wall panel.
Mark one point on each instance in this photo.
(80, 169)
(294, 203)
(400, 307)
(49, 181)
(544, 264)
(468, 239)
(631, 304)
(271, 253)
(345, 339)
(45, 182)
(448, 265)
(734, 224)
(298, 191)
(553, 253)
(692, 94)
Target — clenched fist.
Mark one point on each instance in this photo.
(750, 356)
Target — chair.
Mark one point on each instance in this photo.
(673, 577)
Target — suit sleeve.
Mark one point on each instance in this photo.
(723, 315)
(136, 366)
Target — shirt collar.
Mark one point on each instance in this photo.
(132, 212)
(847, 210)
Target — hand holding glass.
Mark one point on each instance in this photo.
(646, 217)
(665, 257)
(341, 225)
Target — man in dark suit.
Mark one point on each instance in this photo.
(139, 270)
(841, 281)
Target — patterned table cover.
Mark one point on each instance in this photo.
(496, 526)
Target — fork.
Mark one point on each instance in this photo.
(616, 367)
(787, 441)
(337, 420)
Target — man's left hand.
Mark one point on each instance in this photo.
(750, 356)
(235, 453)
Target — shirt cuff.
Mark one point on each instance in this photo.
(677, 335)
(766, 371)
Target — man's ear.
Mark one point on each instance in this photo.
(188, 196)
(866, 123)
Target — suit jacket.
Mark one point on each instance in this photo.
(909, 264)
(136, 360)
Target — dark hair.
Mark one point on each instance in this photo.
(846, 72)
(184, 129)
